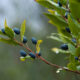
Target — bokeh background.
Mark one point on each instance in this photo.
(11, 68)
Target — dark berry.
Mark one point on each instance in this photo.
(76, 58)
(23, 53)
(32, 55)
(34, 41)
(16, 30)
(60, 5)
(3, 30)
(24, 39)
(66, 15)
(39, 54)
(64, 47)
(68, 30)
(74, 40)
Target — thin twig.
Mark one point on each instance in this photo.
(47, 62)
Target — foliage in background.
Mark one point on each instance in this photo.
(62, 14)
(65, 15)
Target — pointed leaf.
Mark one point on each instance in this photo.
(22, 31)
(55, 38)
(52, 5)
(72, 49)
(72, 65)
(77, 51)
(8, 41)
(65, 39)
(57, 21)
(56, 50)
(78, 68)
(5, 23)
(9, 32)
(74, 26)
(2, 33)
(75, 8)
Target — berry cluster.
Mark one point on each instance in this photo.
(66, 14)
(17, 31)
(65, 46)
(23, 54)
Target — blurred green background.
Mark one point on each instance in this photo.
(11, 68)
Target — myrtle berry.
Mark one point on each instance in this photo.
(74, 40)
(76, 58)
(60, 5)
(3, 30)
(23, 53)
(66, 15)
(68, 30)
(32, 55)
(16, 30)
(24, 39)
(34, 41)
(39, 54)
(64, 47)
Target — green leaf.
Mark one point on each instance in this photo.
(5, 23)
(72, 65)
(64, 32)
(9, 32)
(2, 33)
(55, 38)
(63, 2)
(78, 51)
(23, 29)
(75, 8)
(74, 26)
(65, 39)
(52, 5)
(8, 41)
(72, 49)
(57, 21)
(78, 68)
(56, 50)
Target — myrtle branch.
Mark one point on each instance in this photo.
(44, 60)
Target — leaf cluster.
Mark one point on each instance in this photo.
(65, 16)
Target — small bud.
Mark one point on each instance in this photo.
(56, 50)
(24, 39)
(23, 53)
(16, 30)
(22, 58)
(59, 70)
